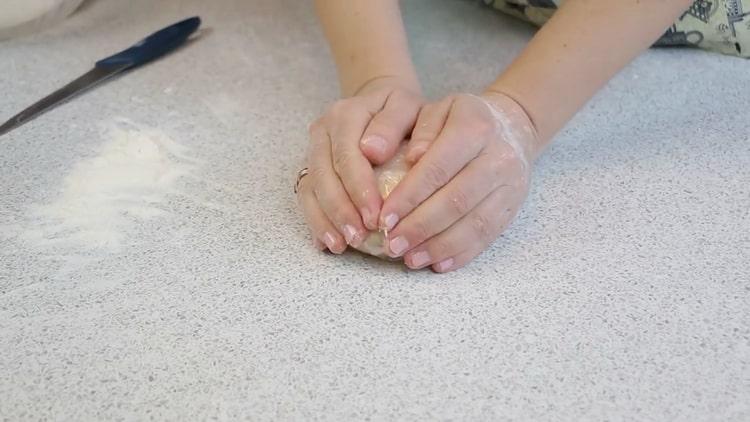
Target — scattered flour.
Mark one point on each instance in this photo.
(127, 182)
(224, 107)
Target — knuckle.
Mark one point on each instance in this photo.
(379, 126)
(482, 127)
(316, 224)
(459, 202)
(411, 202)
(435, 175)
(440, 249)
(482, 228)
(332, 206)
(342, 160)
(394, 96)
(420, 230)
(315, 173)
(339, 107)
(339, 216)
(426, 114)
(424, 134)
(406, 97)
(323, 193)
(317, 146)
(322, 196)
(429, 109)
(497, 167)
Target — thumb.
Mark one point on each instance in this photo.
(389, 128)
(427, 128)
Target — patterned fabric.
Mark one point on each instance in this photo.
(716, 25)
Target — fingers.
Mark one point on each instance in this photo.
(347, 123)
(449, 204)
(324, 234)
(465, 134)
(390, 126)
(468, 237)
(427, 128)
(328, 191)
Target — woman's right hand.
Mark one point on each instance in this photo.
(339, 197)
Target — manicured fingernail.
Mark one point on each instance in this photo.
(329, 240)
(390, 221)
(351, 235)
(420, 259)
(366, 217)
(375, 143)
(444, 265)
(398, 245)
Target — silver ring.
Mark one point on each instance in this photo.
(300, 174)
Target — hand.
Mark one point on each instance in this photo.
(339, 196)
(472, 162)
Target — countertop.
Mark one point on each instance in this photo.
(153, 263)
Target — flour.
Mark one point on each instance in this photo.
(508, 131)
(224, 107)
(126, 183)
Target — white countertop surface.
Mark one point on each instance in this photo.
(153, 263)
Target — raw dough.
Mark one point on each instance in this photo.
(388, 176)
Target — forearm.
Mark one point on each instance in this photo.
(368, 41)
(582, 46)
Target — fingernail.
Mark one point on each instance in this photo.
(376, 143)
(419, 259)
(329, 240)
(444, 265)
(390, 221)
(366, 217)
(398, 245)
(351, 235)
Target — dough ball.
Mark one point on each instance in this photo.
(388, 176)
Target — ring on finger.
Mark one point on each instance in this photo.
(300, 174)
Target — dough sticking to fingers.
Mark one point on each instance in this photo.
(387, 176)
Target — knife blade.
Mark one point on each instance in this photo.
(150, 48)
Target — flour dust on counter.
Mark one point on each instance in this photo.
(127, 182)
(223, 107)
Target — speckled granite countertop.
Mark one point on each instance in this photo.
(622, 292)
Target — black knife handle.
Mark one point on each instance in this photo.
(154, 46)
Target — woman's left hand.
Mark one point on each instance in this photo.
(472, 162)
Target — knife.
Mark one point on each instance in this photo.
(150, 48)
